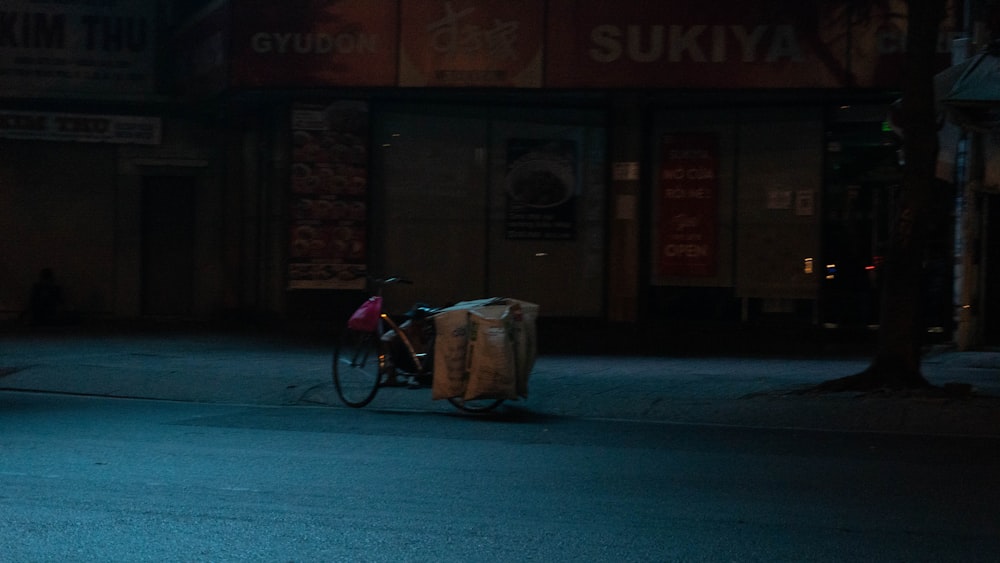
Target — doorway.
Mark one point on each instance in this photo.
(168, 224)
(990, 263)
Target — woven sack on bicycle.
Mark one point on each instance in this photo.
(450, 345)
(492, 364)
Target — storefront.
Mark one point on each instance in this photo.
(100, 183)
(555, 151)
(971, 94)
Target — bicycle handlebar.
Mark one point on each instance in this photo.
(381, 281)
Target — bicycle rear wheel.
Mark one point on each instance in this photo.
(356, 367)
(475, 406)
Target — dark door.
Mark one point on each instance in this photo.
(168, 213)
(863, 176)
(990, 261)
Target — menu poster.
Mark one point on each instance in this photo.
(688, 206)
(328, 213)
(541, 189)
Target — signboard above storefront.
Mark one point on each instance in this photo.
(314, 44)
(64, 48)
(578, 44)
(471, 43)
(724, 45)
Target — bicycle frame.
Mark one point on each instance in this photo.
(419, 358)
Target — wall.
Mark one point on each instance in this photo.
(445, 216)
(778, 203)
(57, 210)
(76, 207)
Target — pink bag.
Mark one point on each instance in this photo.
(366, 317)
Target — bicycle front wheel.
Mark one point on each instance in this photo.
(357, 367)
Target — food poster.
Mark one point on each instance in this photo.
(541, 188)
(688, 205)
(329, 196)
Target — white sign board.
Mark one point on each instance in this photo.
(42, 126)
(70, 48)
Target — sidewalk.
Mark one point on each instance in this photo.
(258, 369)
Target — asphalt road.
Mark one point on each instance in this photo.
(99, 479)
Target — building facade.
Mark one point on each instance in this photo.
(626, 161)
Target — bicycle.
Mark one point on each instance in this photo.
(365, 361)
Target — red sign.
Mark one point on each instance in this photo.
(471, 43)
(689, 197)
(314, 44)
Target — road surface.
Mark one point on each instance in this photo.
(99, 479)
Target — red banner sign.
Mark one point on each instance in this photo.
(689, 199)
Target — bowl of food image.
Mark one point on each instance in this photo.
(540, 183)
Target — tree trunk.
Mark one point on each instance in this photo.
(897, 360)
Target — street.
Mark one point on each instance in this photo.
(101, 479)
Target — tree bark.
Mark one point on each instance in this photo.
(897, 360)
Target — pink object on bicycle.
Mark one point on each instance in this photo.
(366, 317)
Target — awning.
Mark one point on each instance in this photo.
(950, 132)
(973, 103)
(978, 84)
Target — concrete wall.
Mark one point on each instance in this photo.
(57, 210)
(76, 208)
